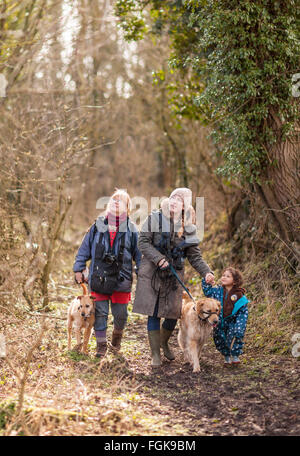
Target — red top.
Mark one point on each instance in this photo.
(119, 297)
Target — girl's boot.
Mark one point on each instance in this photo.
(235, 360)
(227, 361)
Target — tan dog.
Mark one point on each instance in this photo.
(82, 313)
(196, 324)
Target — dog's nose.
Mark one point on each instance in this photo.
(82, 314)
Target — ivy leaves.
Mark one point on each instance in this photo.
(237, 60)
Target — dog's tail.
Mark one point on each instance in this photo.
(85, 290)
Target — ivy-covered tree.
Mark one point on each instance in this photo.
(240, 60)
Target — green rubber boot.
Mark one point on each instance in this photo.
(154, 342)
(165, 335)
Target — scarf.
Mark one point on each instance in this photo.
(232, 297)
(116, 220)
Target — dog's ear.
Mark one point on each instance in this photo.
(92, 297)
(218, 304)
(200, 304)
(79, 297)
(185, 297)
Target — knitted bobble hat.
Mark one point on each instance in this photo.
(190, 215)
(185, 194)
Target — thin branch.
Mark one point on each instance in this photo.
(36, 314)
(284, 209)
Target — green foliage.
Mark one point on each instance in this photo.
(237, 60)
(131, 19)
(12, 29)
(7, 410)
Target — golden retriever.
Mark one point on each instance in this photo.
(196, 324)
(81, 313)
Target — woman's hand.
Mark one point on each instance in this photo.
(163, 263)
(79, 277)
(209, 278)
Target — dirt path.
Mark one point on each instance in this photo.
(260, 397)
(71, 394)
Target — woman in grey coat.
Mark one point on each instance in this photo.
(167, 236)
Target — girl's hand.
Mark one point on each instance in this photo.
(163, 263)
(209, 278)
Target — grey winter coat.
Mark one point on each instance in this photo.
(145, 296)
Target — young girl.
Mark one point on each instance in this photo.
(167, 236)
(111, 245)
(229, 334)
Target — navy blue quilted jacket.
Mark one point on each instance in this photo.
(87, 249)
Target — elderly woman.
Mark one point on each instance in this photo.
(111, 245)
(167, 236)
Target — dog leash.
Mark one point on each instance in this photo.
(84, 287)
(190, 295)
(181, 283)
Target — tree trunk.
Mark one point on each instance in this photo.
(280, 191)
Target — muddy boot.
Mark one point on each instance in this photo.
(116, 338)
(165, 335)
(154, 342)
(101, 349)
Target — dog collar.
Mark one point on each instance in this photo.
(205, 312)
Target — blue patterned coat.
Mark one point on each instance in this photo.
(231, 329)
